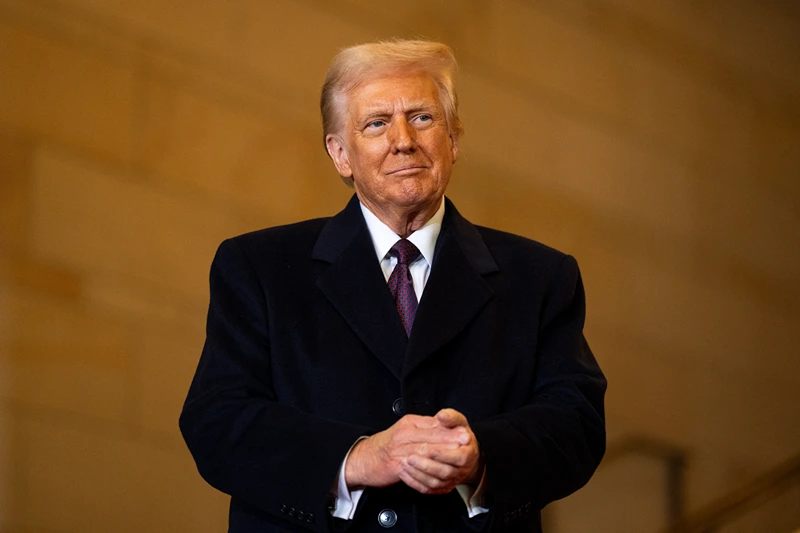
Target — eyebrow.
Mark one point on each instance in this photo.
(383, 109)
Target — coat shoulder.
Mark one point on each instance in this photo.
(504, 245)
(298, 237)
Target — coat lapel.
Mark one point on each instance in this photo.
(355, 286)
(456, 290)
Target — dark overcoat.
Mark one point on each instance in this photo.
(305, 352)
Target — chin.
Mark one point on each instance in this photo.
(416, 198)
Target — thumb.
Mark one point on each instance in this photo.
(451, 418)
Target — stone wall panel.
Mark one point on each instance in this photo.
(52, 90)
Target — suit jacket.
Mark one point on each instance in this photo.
(305, 352)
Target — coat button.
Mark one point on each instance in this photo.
(397, 407)
(387, 518)
(292, 512)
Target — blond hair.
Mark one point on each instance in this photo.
(354, 65)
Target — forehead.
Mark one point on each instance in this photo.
(395, 90)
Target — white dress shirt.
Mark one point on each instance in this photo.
(383, 238)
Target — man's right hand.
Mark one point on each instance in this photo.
(378, 460)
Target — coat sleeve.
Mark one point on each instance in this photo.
(550, 447)
(245, 443)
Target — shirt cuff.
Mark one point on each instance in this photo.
(473, 498)
(346, 501)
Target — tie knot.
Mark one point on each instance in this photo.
(405, 251)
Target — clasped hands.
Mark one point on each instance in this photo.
(430, 454)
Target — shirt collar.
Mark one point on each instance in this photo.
(383, 238)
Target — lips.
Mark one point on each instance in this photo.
(408, 169)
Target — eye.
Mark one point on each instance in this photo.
(423, 120)
(376, 124)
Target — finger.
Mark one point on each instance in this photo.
(429, 468)
(451, 418)
(467, 459)
(409, 480)
(424, 449)
(459, 457)
(424, 482)
(437, 435)
(422, 422)
(458, 434)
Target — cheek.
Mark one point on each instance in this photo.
(372, 158)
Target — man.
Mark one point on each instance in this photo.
(393, 366)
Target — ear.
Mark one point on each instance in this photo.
(338, 152)
(454, 146)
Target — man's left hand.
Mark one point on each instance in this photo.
(440, 471)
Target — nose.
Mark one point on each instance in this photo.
(402, 136)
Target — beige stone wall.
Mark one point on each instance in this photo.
(656, 141)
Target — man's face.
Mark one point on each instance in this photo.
(395, 143)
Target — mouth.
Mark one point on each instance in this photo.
(406, 170)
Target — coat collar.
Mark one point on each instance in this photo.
(456, 290)
(354, 284)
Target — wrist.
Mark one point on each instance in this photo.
(353, 468)
(475, 476)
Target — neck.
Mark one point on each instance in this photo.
(404, 220)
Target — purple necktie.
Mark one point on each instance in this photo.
(400, 283)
